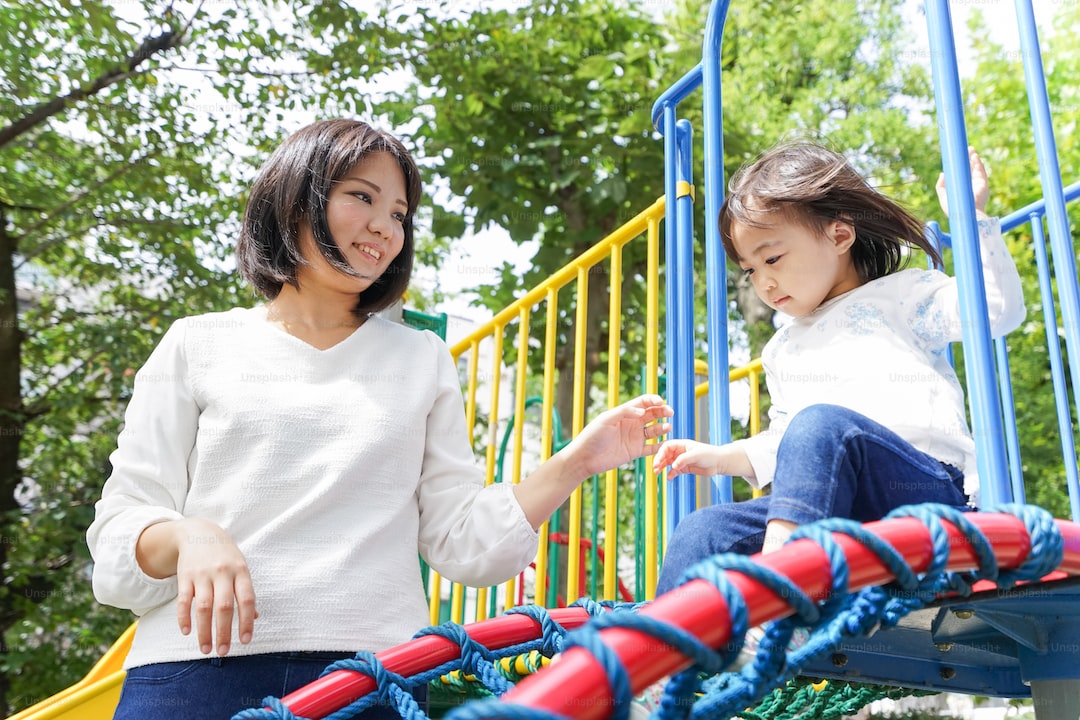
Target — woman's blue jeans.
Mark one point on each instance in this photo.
(219, 688)
(831, 462)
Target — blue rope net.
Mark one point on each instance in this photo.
(704, 690)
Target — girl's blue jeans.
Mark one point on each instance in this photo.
(831, 462)
(219, 688)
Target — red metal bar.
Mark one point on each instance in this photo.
(577, 686)
(340, 688)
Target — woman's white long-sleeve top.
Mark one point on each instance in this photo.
(882, 350)
(330, 469)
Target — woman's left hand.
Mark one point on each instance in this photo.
(621, 434)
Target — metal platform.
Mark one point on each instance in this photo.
(1000, 643)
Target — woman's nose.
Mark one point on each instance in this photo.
(380, 225)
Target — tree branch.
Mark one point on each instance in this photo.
(244, 73)
(101, 222)
(39, 405)
(46, 244)
(128, 68)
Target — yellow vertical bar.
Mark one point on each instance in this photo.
(470, 403)
(755, 403)
(519, 419)
(611, 479)
(457, 603)
(435, 586)
(573, 550)
(652, 370)
(755, 413)
(434, 598)
(492, 440)
(547, 431)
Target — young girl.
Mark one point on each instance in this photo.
(867, 414)
(282, 468)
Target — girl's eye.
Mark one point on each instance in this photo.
(747, 272)
(772, 260)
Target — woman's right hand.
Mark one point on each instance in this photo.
(212, 577)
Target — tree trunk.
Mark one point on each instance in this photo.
(12, 425)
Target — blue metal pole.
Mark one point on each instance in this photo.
(978, 352)
(682, 492)
(680, 392)
(1057, 372)
(715, 260)
(1061, 250)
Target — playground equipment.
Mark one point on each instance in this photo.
(989, 638)
(936, 610)
(983, 603)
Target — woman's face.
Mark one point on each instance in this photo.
(365, 212)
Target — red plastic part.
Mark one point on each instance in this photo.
(577, 685)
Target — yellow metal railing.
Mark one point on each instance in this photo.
(515, 324)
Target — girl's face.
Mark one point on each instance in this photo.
(365, 213)
(794, 269)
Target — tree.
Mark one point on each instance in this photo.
(999, 124)
(117, 210)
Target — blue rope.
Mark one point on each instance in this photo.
(390, 689)
(860, 613)
(475, 658)
(551, 632)
(612, 666)
(1047, 545)
(495, 708)
(772, 665)
(274, 710)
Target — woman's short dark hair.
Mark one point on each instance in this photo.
(812, 185)
(293, 186)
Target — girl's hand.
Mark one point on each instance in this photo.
(698, 458)
(980, 184)
(687, 456)
(213, 581)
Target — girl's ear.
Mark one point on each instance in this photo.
(842, 235)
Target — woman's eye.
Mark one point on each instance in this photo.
(400, 217)
(362, 196)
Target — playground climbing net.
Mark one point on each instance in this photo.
(768, 687)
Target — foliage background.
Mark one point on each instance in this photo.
(121, 180)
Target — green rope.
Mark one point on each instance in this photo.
(799, 699)
(512, 668)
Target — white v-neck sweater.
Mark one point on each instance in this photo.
(330, 469)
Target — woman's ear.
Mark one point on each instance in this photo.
(842, 235)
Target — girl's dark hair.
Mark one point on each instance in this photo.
(293, 186)
(814, 186)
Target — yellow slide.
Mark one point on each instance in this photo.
(92, 698)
